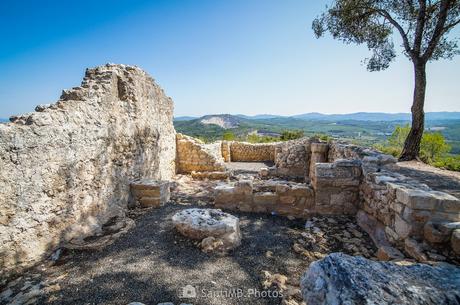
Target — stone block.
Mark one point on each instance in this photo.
(446, 202)
(282, 188)
(391, 234)
(420, 216)
(414, 249)
(386, 253)
(266, 198)
(151, 201)
(416, 199)
(287, 199)
(455, 241)
(244, 187)
(319, 147)
(402, 228)
(301, 191)
(434, 234)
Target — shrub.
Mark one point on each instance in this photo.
(228, 136)
(287, 135)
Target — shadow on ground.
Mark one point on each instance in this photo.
(152, 263)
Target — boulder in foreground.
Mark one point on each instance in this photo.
(342, 279)
(217, 230)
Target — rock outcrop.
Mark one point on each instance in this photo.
(217, 230)
(343, 279)
(66, 168)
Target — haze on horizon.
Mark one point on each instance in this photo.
(239, 57)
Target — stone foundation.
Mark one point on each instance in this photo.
(280, 198)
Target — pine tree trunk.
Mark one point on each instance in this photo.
(412, 144)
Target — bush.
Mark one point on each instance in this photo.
(433, 148)
(448, 162)
(291, 135)
(228, 136)
(253, 138)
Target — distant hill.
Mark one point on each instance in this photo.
(358, 116)
(226, 121)
(4, 120)
(364, 128)
(184, 118)
(377, 116)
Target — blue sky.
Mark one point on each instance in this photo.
(210, 56)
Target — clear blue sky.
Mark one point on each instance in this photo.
(210, 56)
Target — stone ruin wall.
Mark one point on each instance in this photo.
(344, 179)
(292, 158)
(400, 211)
(66, 168)
(248, 152)
(195, 156)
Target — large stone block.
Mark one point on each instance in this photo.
(203, 223)
(416, 199)
(402, 227)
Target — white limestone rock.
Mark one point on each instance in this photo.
(200, 224)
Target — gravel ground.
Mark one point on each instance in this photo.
(151, 264)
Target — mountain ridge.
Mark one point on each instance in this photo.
(356, 116)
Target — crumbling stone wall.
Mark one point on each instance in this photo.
(242, 151)
(336, 187)
(413, 216)
(292, 158)
(194, 155)
(66, 168)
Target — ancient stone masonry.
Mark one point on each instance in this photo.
(194, 155)
(242, 151)
(413, 216)
(275, 197)
(336, 187)
(66, 168)
(292, 159)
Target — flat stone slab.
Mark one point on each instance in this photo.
(200, 224)
(342, 279)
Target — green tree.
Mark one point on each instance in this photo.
(398, 136)
(433, 146)
(423, 26)
(228, 136)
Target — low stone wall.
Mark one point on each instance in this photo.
(414, 217)
(194, 155)
(282, 198)
(292, 158)
(66, 169)
(336, 187)
(340, 150)
(248, 152)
